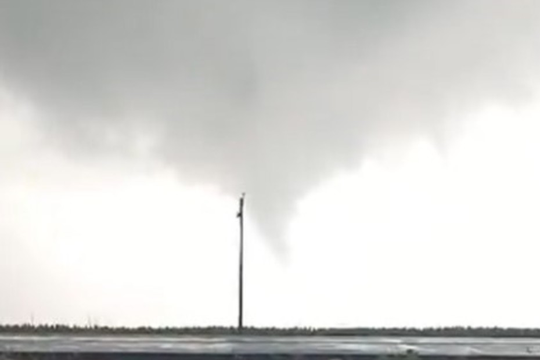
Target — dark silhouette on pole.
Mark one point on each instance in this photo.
(240, 216)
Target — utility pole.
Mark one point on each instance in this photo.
(240, 217)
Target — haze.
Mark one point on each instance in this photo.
(388, 150)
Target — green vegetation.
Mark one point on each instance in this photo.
(104, 330)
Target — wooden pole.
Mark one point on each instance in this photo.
(240, 216)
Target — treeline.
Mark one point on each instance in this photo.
(105, 330)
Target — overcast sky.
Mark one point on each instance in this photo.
(388, 150)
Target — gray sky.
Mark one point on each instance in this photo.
(132, 119)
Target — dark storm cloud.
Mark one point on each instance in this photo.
(267, 97)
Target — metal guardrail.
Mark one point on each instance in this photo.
(262, 347)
